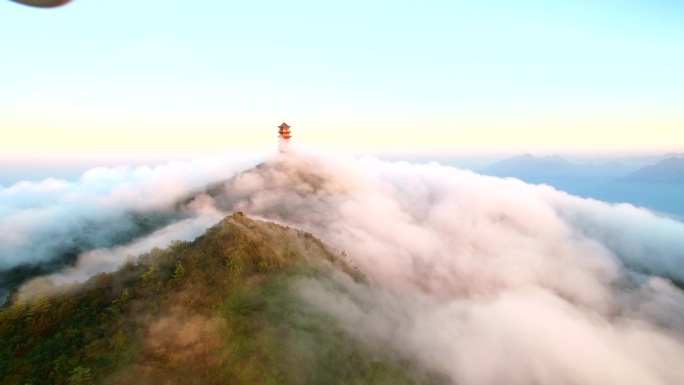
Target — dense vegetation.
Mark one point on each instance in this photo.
(214, 311)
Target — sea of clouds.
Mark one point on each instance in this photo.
(103, 212)
(481, 279)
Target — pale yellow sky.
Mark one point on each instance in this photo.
(449, 77)
(173, 133)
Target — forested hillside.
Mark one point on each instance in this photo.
(219, 310)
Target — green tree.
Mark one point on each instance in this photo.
(236, 265)
(179, 272)
(125, 296)
(81, 376)
(119, 340)
(40, 305)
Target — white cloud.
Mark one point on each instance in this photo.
(481, 279)
(39, 220)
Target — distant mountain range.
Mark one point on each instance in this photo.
(670, 170)
(658, 185)
(529, 163)
(564, 174)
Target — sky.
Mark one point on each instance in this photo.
(138, 80)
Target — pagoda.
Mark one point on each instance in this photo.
(284, 134)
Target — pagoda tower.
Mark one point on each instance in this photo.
(284, 135)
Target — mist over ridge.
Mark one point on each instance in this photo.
(45, 225)
(463, 262)
(482, 279)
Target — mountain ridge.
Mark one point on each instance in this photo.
(222, 308)
(669, 170)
